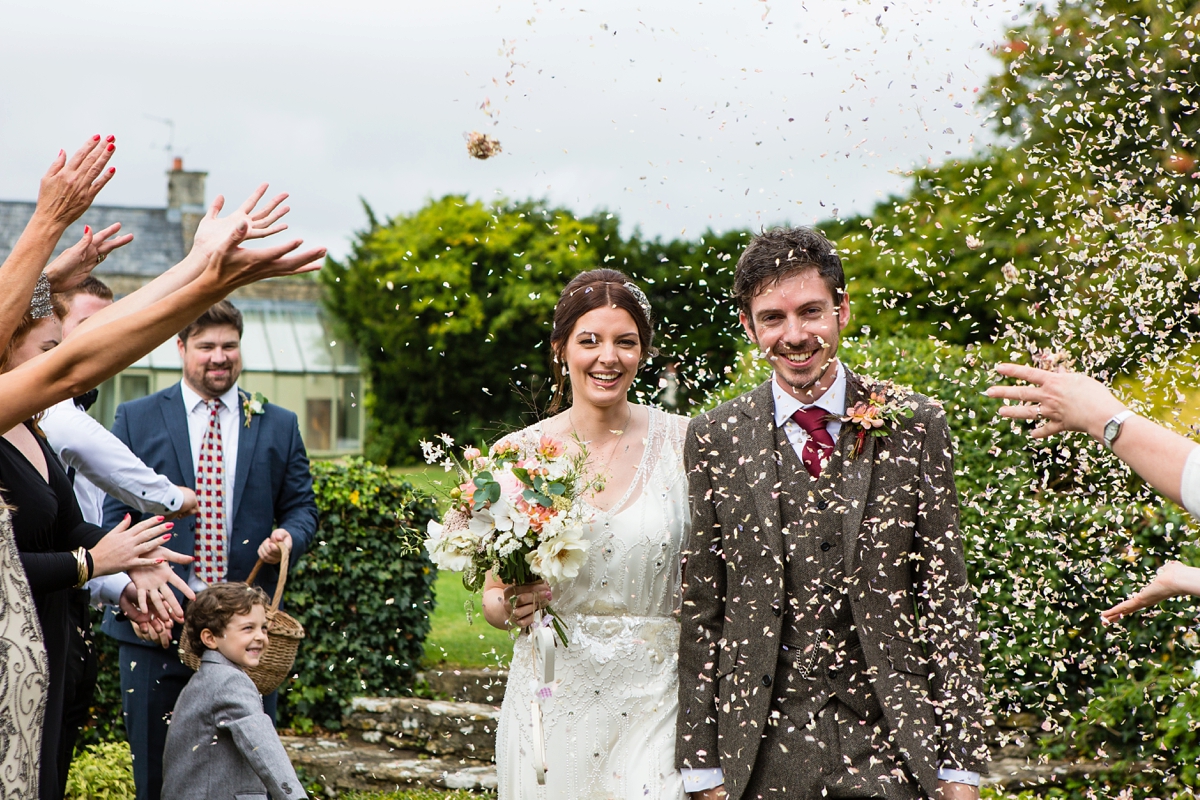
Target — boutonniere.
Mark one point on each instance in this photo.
(884, 410)
(253, 406)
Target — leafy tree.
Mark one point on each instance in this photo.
(451, 308)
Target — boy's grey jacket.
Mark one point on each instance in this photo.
(221, 745)
(912, 605)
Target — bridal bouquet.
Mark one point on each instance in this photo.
(515, 513)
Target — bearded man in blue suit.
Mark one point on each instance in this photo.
(248, 466)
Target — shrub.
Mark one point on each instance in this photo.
(102, 772)
(363, 592)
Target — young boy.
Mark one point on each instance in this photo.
(220, 743)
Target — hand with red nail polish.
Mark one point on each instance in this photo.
(71, 184)
(128, 546)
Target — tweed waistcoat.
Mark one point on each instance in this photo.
(820, 645)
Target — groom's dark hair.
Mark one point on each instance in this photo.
(779, 253)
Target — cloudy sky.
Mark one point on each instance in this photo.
(678, 116)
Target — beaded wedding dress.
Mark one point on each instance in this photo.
(23, 674)
(609, 730)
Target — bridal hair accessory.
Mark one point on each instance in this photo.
(40, 306)
(640, 296)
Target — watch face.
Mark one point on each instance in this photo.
(1111, 430)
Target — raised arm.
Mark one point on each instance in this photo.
(66, 191)
(90, 357)
(211, 235)
(1071, 401)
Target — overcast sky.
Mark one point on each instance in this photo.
(675, 115)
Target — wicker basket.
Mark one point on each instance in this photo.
(285, 635)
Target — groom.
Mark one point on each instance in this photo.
(828, 629)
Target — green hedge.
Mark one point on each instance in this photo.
(1053, 534)
(363, 592)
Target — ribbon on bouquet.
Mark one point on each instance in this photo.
(541, 636)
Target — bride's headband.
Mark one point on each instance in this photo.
(640, 297)
(40, 306)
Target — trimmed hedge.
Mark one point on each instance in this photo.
(363, 592)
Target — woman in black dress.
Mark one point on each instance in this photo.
(50, 530)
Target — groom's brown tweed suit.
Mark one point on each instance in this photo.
(826, 621)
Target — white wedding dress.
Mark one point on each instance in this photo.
(610, 727)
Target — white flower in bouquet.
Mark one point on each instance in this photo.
(452, 544)
(561, 557)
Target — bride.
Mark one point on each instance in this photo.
(609, 730)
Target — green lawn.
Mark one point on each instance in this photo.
(453, 640)
(429, 478)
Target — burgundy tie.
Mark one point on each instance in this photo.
(820, 444)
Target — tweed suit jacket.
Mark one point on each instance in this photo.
(221, 745)
(911, 602)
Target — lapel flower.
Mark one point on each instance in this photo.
(884, 409)
(253, 406)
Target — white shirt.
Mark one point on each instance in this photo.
(103, 464)
(195, 408)
(786, 404)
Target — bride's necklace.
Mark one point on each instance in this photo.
(616, 438)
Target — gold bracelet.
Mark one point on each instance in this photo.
(81, 566)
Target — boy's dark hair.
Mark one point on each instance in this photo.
(778, 253)
(222, 313)
(215, 606)
(89, 285)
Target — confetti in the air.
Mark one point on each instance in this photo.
(481, 145)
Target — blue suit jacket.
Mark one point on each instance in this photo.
(272, 485)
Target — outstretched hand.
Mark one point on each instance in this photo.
(214, 230)
(77, 261)
(232, 266)
(70, 185)
(1172, 580)
(1062, 401)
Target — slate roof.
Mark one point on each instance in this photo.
(157, 238)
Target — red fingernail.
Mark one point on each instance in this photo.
(126, 517)
(87, 229)
(170, 525)
(112, 147)
(159, 518)
(167, 538)
(111, 139)
(158, 561)
(96, 138)
(112, 170)
(62, 152)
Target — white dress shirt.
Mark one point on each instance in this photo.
(103, 464)
(230, 418)
(786, 404)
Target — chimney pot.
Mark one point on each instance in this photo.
(178, 165)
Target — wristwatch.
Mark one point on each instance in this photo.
(1112, 428)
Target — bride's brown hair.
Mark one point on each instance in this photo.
(586, 292)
